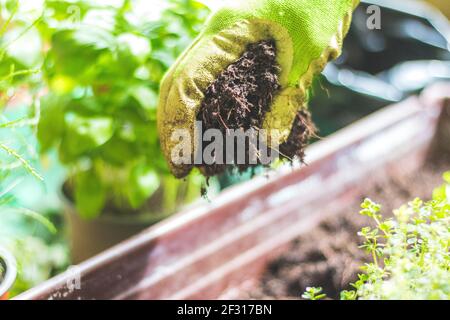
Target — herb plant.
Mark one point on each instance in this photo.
(410, 252)
(28, 235)
(313, 293)
(103, 69)
(17, 63)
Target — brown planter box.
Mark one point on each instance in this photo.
(206, 252)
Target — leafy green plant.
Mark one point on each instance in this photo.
(103, 71)
(25, 233)
(16, 67)
(30, 236)
(410, 252)
(37, 260)
(9, 81)
(313, 293)
(11, 76)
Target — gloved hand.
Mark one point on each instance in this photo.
(307, 34)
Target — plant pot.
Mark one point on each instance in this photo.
(208, 251)
(8, 273)
(90, 237)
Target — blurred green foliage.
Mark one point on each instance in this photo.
(40, 253)
(103, 69)
(99, 67)
(16, 64)
(31, 237)
(36, 240)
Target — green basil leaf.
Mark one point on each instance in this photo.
(90, 194)
(143, 183)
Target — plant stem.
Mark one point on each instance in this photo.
(374, 253)
(24, 162)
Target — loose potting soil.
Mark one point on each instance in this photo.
(329, 256)
(240, 98)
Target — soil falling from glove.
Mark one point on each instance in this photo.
(241, 96)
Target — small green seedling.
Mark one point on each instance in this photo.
(410, 252)
(313, 293)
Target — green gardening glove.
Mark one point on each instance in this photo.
(307, 34)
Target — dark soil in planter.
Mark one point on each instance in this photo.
(329, 256)
(240, 98)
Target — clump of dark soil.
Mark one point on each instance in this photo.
(302, 130)
(329, 256)
(240, 98)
